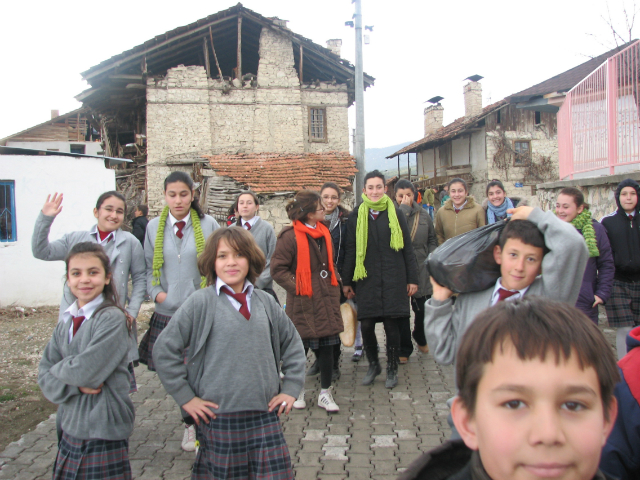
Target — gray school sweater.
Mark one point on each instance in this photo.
(126, 256)
(205, 322)
(179, 276)
(562, 270)
(265, 237)
(97, 355)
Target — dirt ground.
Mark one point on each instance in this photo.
(22, 341)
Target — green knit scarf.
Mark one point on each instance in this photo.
(583, 223)
(362, 231)
(158, 253)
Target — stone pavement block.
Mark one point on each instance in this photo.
(334, 467)
(431, 440)
(335, 453)
(409, 446)
(405, 459)
(331, 477)
(27, 457)
(384, 467)
(383, 441)
(427, 428)
(383, 429)
(311, 447)
(339, 428)
(388, 476)
(360, 447)
(359, 473)
(383, 454)
(11, 471)
(309, 459)
(26, 475)
(307, 473)
(12, 451)
(313, 435)
(359, 459)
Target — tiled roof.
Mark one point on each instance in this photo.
(450, 131)
(285, 172)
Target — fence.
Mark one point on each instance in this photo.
(599, 119)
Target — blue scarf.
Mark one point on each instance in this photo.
(498, 212)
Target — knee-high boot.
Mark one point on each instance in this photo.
(374, 365)
(392, 367)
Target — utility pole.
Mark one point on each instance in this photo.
(359, 90)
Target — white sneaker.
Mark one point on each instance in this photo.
(189, 438)
(325, 400)
(300, 403)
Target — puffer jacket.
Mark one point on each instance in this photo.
(450, 224)
(424, 243)
(317, 316)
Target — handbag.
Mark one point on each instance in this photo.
(348, 310)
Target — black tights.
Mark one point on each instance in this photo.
(391, 329)
(325, 363)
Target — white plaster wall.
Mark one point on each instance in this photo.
(460, 151)
(91, 148)
(478, 156)
(25, 280)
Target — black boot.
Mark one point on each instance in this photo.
(374, 365)
(392, 367)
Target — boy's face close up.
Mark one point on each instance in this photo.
(520, 263)
(536, 419)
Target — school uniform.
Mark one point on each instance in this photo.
(95, 428)
(179, 275)
(244, 440)
(265, 236)
(124, 252)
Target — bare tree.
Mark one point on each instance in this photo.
(622, 31)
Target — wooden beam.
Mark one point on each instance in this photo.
(78, 125)
(126, 78)
(214, 54)
(239, 65)
(206, 56)
(301, 62)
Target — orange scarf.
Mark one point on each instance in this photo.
(303, 269)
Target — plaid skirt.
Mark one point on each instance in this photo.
(623, 307)
(316, 343)
(145, 350)
(243, 445)
(92, 459)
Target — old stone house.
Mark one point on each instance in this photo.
(514, 140)
(232, 84)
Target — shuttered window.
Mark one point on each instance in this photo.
(7, 211)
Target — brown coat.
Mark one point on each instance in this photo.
(450, 224)
(317, 316)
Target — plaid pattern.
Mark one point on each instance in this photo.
(156, 325)
(316, 343)
(623, 307)
(244, 445)
(92, 459)
(133, 386)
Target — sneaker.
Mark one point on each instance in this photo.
(189, 438)
(325, 400)
(299, 404)
(357, 355)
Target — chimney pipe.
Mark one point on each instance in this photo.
(55, 113)
(472, 99)
(334, 45)
(433, 118)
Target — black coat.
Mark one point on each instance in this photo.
(139, 228)
(383, 292)
(339, 238)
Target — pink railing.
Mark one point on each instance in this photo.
(599, 119)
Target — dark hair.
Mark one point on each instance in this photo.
(374, 174)
(331, 185)
(242, 242)
(143, 209)
(235, 203)
(536, 326)
(494, 183)
(183, 177)
(110, 293)
(304, 203)
(404, 184)
(458, 180)
(525, 231)
(578, 197)
(111, 193)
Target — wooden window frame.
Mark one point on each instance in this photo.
(325, 137)
(517, 162)
(78, 146)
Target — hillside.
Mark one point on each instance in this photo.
(374, 158)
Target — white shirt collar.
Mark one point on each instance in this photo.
(461, 206)
(251, 222)
(173, 219)
(86, 311)
(94, 231)
(495, 296)
(247, 288)
(311, 226)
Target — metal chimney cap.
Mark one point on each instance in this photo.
(435, 99)
(474, 78)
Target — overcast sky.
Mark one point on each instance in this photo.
(418, 49)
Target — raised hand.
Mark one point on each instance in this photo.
(53, 206)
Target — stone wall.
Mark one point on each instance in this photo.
(188, 113)
(599, 192)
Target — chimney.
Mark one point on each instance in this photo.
(472, 99)
(433, 117)
(279, 22)
(334, 45)
(55, 113)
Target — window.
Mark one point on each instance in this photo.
(7, 211)
(317, 124)
(77, 149)
(537, 119)
(523, 151)
(498, 117)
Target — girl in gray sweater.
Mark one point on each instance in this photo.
(84, 370)
(235, 409)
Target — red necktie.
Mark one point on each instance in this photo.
(504, 294)
(242, 299)
(104, 235)
(457, 210)
(247, 226)
(77, 321)
(374, 215)
(631, 218)
(180, 226)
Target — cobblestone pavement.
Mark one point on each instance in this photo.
(377, 433)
